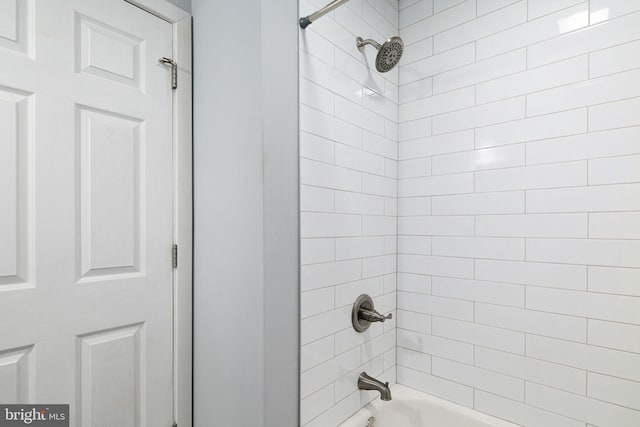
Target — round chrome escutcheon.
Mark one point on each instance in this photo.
(363, 301)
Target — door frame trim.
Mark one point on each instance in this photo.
(163, 9)
(182, 205)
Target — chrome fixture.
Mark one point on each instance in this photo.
(371, 422)
(364, 313)
(366, 382)
(174, 70)
(308, 20)
(389, 53)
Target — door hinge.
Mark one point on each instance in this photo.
(175, 256)
(174, 71)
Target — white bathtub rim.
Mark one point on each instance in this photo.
(402, 393)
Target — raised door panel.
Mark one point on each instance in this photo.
(111, 378)
(16, 375)
(15, 30)
(108, 52)
(14, 191)
(9, 19)
(110, 193)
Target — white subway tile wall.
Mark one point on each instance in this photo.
(349, 183)
(518, 289)
(487, 192)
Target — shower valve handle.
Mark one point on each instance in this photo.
(363, 313)
(373, 316)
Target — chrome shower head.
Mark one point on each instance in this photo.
(389, 53)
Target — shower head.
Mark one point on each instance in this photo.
(389, 53)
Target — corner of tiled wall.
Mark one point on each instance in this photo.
(348, 166)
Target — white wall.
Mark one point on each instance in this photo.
(281, 212)
(228, 226)
(246, 269)
(348, 141)
(518, 273)
(183, 4)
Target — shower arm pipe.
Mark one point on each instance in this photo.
(308, 20)
(362, 43)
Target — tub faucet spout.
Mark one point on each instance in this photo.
(366, 382)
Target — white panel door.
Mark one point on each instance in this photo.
(86, 210)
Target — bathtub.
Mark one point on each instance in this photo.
(412, 408)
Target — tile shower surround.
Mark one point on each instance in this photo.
(349, 170)
(487, 193)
